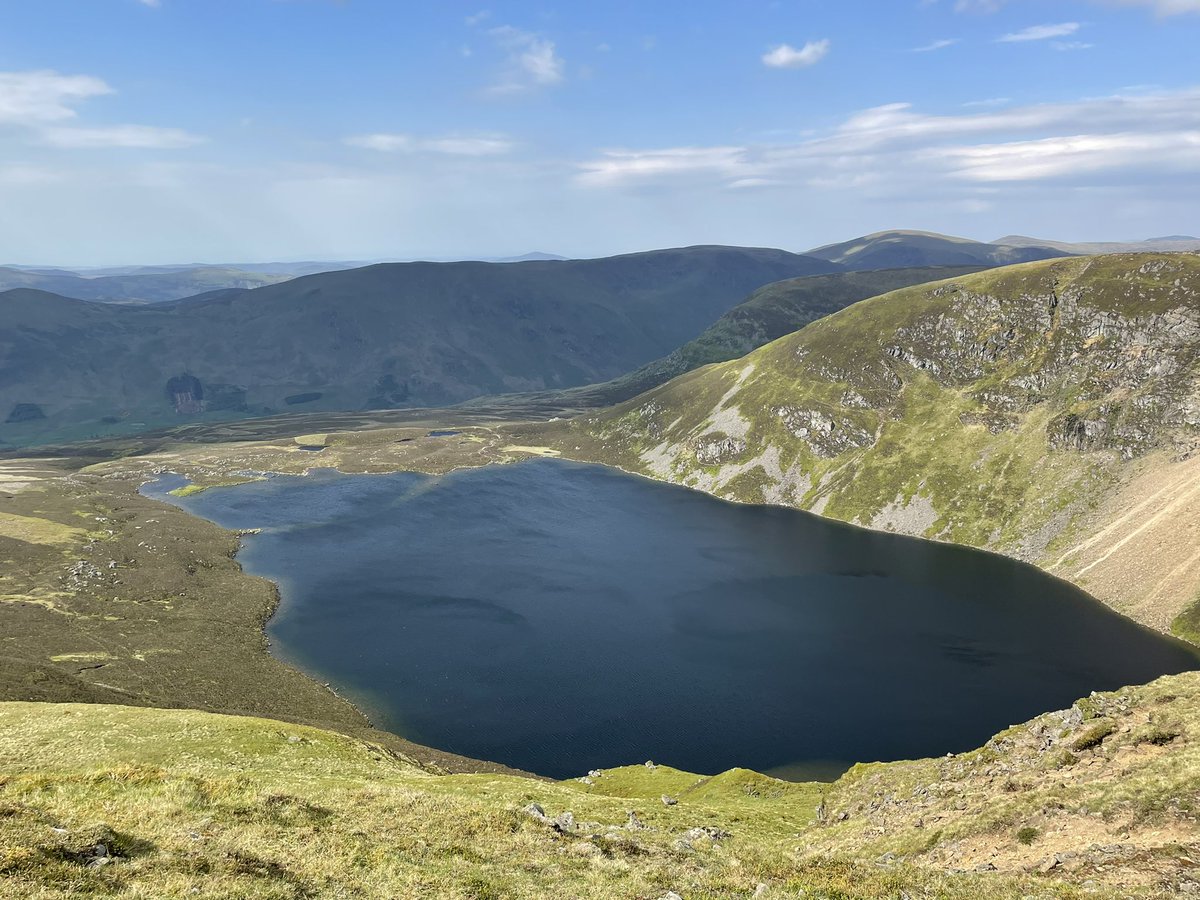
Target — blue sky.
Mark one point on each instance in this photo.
(237, 130)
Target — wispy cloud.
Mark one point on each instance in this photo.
(620, 166)
(936, 45)
(45, 95)
(785, 56)
(1040, 33)
(1072, 155)
(531, 61)
(451, 145)
(40, 101)
(143, 137)
(151, 3)
(1137, 135)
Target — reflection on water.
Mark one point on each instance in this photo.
(559, 617)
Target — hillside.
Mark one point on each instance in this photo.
(95, 802)
(385, 336)
(903, 249)
(1049, 411)
(137, 287)
(769, 313)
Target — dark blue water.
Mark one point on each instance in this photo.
(559, 617)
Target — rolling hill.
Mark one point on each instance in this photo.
(769, 313)
(1050, 411)
(384, 336)
(903, 249)
(1174, 243)
(138, 286)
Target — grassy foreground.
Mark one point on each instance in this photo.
(112, 801)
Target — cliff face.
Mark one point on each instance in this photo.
(1050, 411)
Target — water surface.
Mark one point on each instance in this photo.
(558, 617)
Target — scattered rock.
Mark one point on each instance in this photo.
(535, 811)
(705, 832)
(634, 823)
(650, 765)
(564, 822)
(669, 801)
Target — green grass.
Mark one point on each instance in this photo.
(996, 363)
(192, 804)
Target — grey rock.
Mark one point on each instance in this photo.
(534, 810)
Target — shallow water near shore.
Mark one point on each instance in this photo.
(559, 617)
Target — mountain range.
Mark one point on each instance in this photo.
(383, 336)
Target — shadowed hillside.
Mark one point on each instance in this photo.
(767, 314)
(385, 336)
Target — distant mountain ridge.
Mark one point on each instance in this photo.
(907, 249)
(1175, 243)
(150, 286)
(383, 336)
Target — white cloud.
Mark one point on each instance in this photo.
(936, 45)
(1040, 33)
(39, 101)
(151, 3)
(895, 147)
(450, 145)
(1072, 156)
(531, 61)
(786, 56)
(621, 166)
(28, 98)
(144, 137)
(475, 19)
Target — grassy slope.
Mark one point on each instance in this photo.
(415, 334)
(192, 804)
(769, 313)
(998, 409)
